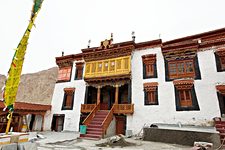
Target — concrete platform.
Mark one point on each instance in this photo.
(182, 136)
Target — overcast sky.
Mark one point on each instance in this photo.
(67, 25)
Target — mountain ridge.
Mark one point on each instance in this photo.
(36, 88)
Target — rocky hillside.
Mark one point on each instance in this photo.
(36, 87)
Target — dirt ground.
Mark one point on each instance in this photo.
(69, 141)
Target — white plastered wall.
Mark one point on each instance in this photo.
(37, 123)
(72, 117)
(166, 112)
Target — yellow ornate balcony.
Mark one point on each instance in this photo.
(108, 67)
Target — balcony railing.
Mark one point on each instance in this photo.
(91, 115)
(86, 108)
(123, 109)
(118, 108)
(108, 67)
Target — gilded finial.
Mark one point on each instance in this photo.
(89, 43)
(112, 36)
(133, 35)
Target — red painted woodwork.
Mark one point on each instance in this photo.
(180, 69)
(104, 106)
(222, 62)
(120, 125)
(95, 129)
(185, 98)
(64, 73)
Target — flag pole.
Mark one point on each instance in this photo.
(9, 122)
(14, 73)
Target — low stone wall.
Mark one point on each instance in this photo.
(180, 136)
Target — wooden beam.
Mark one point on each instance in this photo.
(116, 94)
(98, 95)
(43, 121)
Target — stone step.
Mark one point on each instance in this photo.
(94, 126)
(91, 136)
(100, 116)
(96, 122)
(220, 126)
(94, 132)
(98, 119)
(221, 130)
(219, 122)
(94, 129)
(101, 113)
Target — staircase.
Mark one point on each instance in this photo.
(94, 129)
(220, 127)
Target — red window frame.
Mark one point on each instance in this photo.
(222, 62)
(185, 98)
(68, 98)
(181, 69)
(149, 62)
(149, 68)
(64, 73)
(151, 97)
(150, 90)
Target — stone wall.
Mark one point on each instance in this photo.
(180, 136)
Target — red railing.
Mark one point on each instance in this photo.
(86, 108)
(123, 108)
(91, 115)
(107, 121)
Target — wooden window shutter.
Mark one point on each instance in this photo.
(79, 70)
(221, 54)
(150, 90)
(68, 98)
(184, 88)
(64, 73)
(149, 62)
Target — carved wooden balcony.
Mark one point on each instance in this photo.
(86, 108)
(123, 109)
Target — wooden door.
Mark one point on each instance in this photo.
(120, 125)
(57, 123)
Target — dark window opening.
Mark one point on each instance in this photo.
(182, 68)
(68, 99)
(151, 93)
(185, 96)
(149, 66)
(79, 71)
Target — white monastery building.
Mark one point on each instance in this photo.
(120, 87)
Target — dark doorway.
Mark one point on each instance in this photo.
(32, 122)
(91, 95)
(123, 94)
(120, 125)
(221, 99)
(57, 122)
(107, 97)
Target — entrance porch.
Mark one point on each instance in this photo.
(118, 96)
(106, 106)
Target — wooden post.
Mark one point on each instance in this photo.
(43, 121)
(129, 92)
(98, 95)
(117, 94)
(8, 123)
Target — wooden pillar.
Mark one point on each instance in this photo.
(86, 96)
(98, 95)
(116, 94)
(129, 93)
(43, 121)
